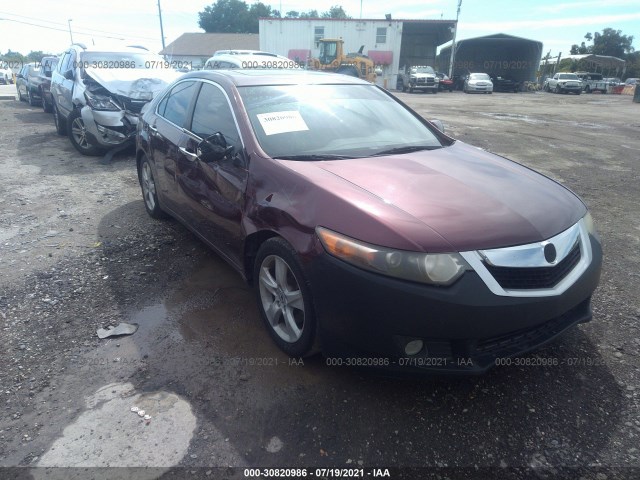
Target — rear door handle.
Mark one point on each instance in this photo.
(189, 155)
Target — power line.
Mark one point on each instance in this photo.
(80, 32)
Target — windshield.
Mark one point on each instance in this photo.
(568, 76)
(332, 121)
(422, 70)
(479, 76)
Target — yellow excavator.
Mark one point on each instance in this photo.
(333, 59)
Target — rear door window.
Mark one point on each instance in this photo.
(175, 105)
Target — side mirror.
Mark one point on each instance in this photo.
(68, 74)
(438, 124)
(213, 148)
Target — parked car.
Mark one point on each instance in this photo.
(444, 83)
(365, 230)
(6, 75)
(632, 81)
(38, 83)
(418, 78)
(249, 61)
(478, 82)
(505, 83)
(592, 82)
(563, 82)
(27, 72)
(612, 81)
(98, 93)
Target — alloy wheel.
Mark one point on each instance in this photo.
(281, 298)
(148, 186)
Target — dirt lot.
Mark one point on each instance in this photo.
(78, 252)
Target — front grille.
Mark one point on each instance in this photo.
(516, 342)
(428, 81)
(513, 278)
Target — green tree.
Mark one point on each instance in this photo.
(292, 14)
(335, 12)
(612, 42)
(224, 16)
(37, 55)
(310, 14)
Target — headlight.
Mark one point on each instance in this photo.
(434, 269)
(101, 102)
(591, 228)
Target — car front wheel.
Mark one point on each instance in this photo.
(79, 136)
(284, 298)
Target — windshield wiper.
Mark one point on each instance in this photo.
(314, 156)
(406, 149)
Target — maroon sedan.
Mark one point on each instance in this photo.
(367, 232)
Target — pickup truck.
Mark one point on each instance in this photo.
(592, 82)
(418, 78)
(563, 82)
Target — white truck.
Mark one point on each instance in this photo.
(418, 78)
(563, 82)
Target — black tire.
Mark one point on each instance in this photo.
(410, 89)
(32, 101)
(273, 294)
(558, 89)
(46, 107)
(587, 89)
(20, 97)
(59, 121)
(149, 190)
(79, 137)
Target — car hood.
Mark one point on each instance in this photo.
(470, 198)
(136, 83)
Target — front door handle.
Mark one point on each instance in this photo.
(189, 155)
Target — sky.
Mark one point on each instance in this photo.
(27, 25)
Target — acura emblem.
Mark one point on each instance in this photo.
(550, 252)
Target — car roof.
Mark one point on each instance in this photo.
(238, 59)
(243, 52)
(250, 77)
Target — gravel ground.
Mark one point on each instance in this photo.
(78, 252)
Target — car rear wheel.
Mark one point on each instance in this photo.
(149, 192)
(46, 107)
(61, 126)
(79, 136)
(284, 298)
(32, 101)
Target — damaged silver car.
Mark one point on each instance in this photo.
(98, 94)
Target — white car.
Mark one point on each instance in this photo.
(478, 82)
(251, 61)
(6, 75)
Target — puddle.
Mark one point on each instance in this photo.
(212, 320)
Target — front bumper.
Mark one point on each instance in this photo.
(479, 88)
(465, 327)
(110, 128)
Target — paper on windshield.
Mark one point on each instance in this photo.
(282, 122)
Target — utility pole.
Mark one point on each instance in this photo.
(161, 29)
(70, 34)
(453, 45)
(360, 9)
